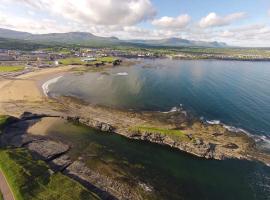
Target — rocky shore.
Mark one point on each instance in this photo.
(55, 154)
(176, 129)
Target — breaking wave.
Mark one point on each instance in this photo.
(45, 86)
(122, 74)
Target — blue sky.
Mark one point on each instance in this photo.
(236, 22)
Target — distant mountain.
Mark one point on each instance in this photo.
(88, 39)
(10, 34)
(79, 38)
(178, 42)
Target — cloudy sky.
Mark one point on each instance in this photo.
(236, 22)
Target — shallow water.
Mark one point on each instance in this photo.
(171, 173)
(234, 92)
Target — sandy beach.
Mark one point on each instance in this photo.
(26, 88)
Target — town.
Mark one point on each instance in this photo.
(18, 61)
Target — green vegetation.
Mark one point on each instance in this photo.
(71, 61)
(3, 120)
(78, 61)
(11, 68)
(162, 131)
(32, 180)
(1, 196)
(107, 59)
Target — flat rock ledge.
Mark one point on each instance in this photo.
(47, 149)
(101, 126)
(197, 147)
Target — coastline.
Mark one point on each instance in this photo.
(25, 93)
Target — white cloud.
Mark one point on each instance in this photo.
(31, 25)
(97, 12)
(226, 34)
(169, 22)
(213, 20)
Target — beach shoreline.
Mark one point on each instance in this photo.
(25, 93)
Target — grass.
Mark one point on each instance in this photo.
(31, 180)
(71, 61)
(78, 61)
(107, 59)
(11, 68)
(1, 196)
(162, 131)
(3, 120)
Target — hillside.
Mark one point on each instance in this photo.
(88, 39)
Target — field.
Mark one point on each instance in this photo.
(78, 61)
(158, 130)
(71, 61)
(32, 180)
(11, 68)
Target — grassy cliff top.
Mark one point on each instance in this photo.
(31, 179)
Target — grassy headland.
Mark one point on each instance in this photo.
(31, 179)
(161, 131)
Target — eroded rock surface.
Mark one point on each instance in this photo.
(48, 149)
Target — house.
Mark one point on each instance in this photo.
(89, 59)
(6, 57)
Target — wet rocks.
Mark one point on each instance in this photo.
(231, 146)
(104, 186)
(29, 116)
(48, 149)
(60, 163)
(195, 146)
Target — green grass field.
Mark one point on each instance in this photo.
(107, 59)
(78, 61)
(11, 68)
(157, 130)
(31, 179)
(176, 135)
(71, 61)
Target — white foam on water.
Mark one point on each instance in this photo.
(122, 74)
(213, 122)
(262, 140)
(45, 86)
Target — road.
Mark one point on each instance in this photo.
(5, 188)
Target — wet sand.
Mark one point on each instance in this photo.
(26, 88)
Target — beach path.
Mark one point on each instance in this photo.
(5, 188)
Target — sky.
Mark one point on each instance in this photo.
(235, 22)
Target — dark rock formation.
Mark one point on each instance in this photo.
(97, 182)
(102, 126)
(198, 147)
(61, 163)
(47, 149)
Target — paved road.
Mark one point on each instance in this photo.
(5, 189)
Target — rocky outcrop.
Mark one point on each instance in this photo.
(47, 149)
(93, 180)
(102, 126)
(197, 147)
(61, 163)
(31, 116)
